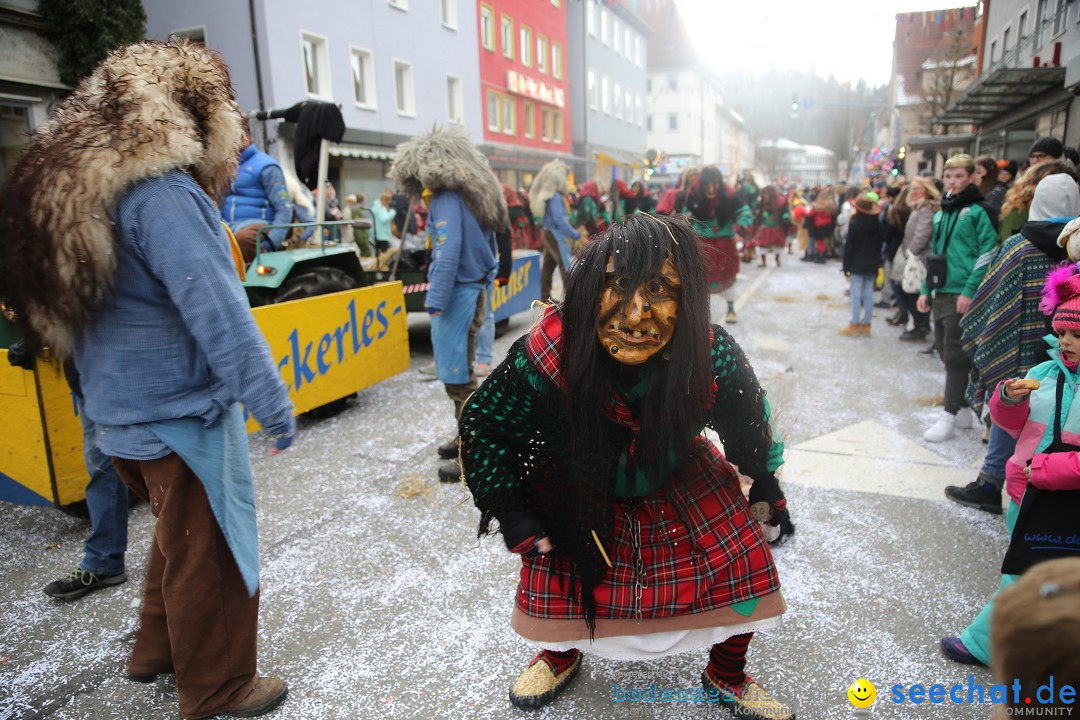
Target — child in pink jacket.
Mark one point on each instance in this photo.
(1028, 413)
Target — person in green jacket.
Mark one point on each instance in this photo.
(965, 235)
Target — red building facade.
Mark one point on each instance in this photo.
(523, 85)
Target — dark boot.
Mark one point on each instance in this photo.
(929, 350)
(449, 449)
(979, 494)
(914, 335)
(450, 472)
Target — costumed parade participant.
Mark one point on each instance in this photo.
(548, 203)
(591, 213)
(466, 209)
(115, 254)
(716, 215)
(772, 223)
(586, 446)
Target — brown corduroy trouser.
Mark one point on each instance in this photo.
(197, 618)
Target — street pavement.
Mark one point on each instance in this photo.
(378, 600)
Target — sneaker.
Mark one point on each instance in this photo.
(748, 700)
(267, 694)
(540, 684)
(428, 369)
(882, 305)
(978, 493)
(731, 318)
(449, 448)
(481, 369)
(79, 582)
(953, 649)
(942, 430)
(965, 418)
(450, 472)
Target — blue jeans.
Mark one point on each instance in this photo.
(999, 449)
(485, 339)
(107, 503)
(862, 296)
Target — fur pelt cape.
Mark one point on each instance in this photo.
(147, 109)
(552, 178)
(446, 159)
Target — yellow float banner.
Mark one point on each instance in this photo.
(330, 346)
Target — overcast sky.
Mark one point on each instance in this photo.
(850, 39)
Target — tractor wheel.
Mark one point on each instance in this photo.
(318, 281)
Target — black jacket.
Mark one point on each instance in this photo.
(862, 251)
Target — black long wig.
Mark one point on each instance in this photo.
(675, 408)
(718, 210)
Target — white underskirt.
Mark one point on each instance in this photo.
(662, 644)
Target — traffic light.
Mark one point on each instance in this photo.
(794, 102)
(902, 152)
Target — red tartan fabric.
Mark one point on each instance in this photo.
(721, 262)
(701, 551)
(770, 237)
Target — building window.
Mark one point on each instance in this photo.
(629, 108)
(993, 53)
(509, 115)
(557, 135)
(487, 27)
(449, 13)
(455, 99)
(403, 88)
(494, 105)
(673, 82)
(1040, 15)
(363, 78)
(1051, 124)
(526, 45)
(627, 45)
(1005, 42)
(316, 65)
(556, 61)
(530, 120)
(605, 96)
(638, 111)
(673, 121)
(638, 57)
(400, 4)
(546, 123)
(648, 123)
(1021, 27)
(1060, 11)
(195, 34)
(541, 53)
(507, 36)
(618, 101)
(591, 85)
(590, 18)
(603, 26)
(616, 35)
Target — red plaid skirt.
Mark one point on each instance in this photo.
(721, 262)
(701, 551)
(770, 237)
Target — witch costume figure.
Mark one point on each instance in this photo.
(586, 446)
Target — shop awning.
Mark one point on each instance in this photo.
(999, 91)
(941, 143)
(616, 157)
(363, 152)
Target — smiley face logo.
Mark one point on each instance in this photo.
(862, 694)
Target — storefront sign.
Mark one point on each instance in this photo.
(529, 87)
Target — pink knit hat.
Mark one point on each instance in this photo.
(1061, 296)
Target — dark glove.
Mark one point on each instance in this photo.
(782, 520)
(520, 531)
(20, 356)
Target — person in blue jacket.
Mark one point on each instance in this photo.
(548, 201)
(466, 209)
(257, 197)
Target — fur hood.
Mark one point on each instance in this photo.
(551, 179)
(148, 108)
(446, 159)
